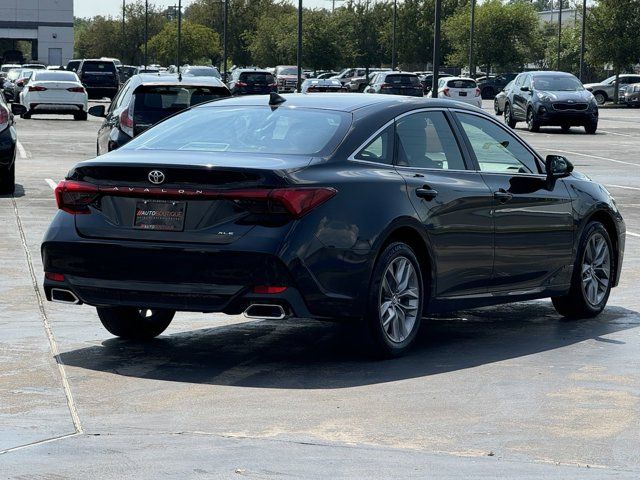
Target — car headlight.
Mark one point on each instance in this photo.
(543, 97)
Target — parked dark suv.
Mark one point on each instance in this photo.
(99, 77)
(148, 98)
(252, 82)
(491, 86)
(550, 98)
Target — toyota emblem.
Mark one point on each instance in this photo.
(156, 177)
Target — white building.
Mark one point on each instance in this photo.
(48, 24)
(570, 16)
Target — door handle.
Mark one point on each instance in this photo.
(426, 192)
(502, 195)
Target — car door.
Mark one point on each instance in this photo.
(533, 220)
(521, 97)
(452, 202)
(112, 118)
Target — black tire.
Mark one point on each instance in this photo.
(362, 87)
(601, 97)
(565, 128)
(487, 93)
(8, 180)
(508, 116)
(26, 115)
(80, 116)
(575, 303)
(533, 125)
(131, 323)
(496, 107)
(384, 345)
(591, 128)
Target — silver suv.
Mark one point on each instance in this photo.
(604, 90)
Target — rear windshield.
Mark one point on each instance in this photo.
(203, 72)
(257, 77)
(56, 77)
(557, 83)
(248, 129)
(13, 74)
(174, 98)
(462, 83)
(403, 79)
(91, 67)
(287, 71)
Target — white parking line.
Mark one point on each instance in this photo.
(590, 156)
(21, 150)
(623, 187)
(51, 183)
(620, 134)
(633, 234)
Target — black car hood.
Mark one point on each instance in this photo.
(559, 96)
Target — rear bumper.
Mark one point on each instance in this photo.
(58, 108)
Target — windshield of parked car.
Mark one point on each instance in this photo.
(403, 79)
(461, 83)
(49, 76)
(248, 129)
(552, 83)
(287, 71)
(203, 72)
(257, 77)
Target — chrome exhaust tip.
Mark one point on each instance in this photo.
(263, 311)
(61, 295)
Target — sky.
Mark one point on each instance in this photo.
(90, 8)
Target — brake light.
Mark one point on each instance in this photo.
(386, 85)
(36, 88)
(75, 197)
(56, 277)
(477, 92)
(4, 118)
(76, 89)
(126, 120)
(241, 84)
(268, 289)
(274, 84)
(312, 89)
(446, 92)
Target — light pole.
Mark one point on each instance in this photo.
(559, 31)
(394, 53)
(582, 38)
(179, 34)
(472, 68)
(146, 30)
(436, 49)
(299, 56)
(224, 40)
(123, 42)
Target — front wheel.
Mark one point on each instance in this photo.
(133, 323)
(533, 125)
(496, 107)
(80, 116)
(396, 298)
(592, 276)
(591, 128)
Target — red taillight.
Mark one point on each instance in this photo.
(75, 197)
(126, 122)
(4, 118)
(36, 88)
(76, 89)
(56, 277)
(268, 289)
(446, 92)
(312, 89)
(299, 201)
(241, 84)
(273, 84)
(477, 92)
(386, 85)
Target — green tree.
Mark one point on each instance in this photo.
(612, 37)
(198, 43)
(273, 42)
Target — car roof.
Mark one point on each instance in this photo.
(456, 78)
(345, 102)
(173, 79)
(549, 72)
(252, 70)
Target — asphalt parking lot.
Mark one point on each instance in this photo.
(502, 392)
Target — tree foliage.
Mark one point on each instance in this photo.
(200, 44)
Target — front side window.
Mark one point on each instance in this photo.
(425, 140)
(496, 150)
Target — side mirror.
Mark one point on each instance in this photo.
(525, 89)
(97, 111)
(18, 109)
(557, 166)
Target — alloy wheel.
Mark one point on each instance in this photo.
(399, 299)
(596, 269)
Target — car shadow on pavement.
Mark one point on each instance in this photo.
(19, 192)
(303, 354)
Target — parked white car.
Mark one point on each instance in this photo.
(460, 89)
(58, 92)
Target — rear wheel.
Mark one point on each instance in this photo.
(396, 297)
(134, 323)
(8, 180)
(487, 93)
(600, 97)
(508, 116)
(592, 275)
(80, 116)
(26, 115)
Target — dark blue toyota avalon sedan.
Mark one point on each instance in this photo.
(371, 208)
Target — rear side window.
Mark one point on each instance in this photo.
(251, 77)
(461, 83)
(99, 67)
(380, 149)
(425, 140)
(403, 79)
(175, 97)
